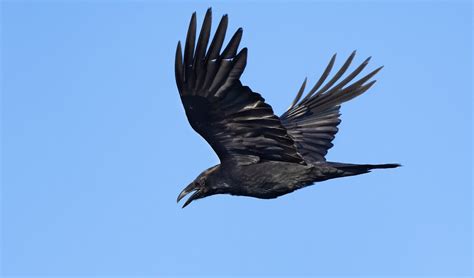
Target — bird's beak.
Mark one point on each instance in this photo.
(190, 188)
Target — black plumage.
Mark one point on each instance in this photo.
(262, 155)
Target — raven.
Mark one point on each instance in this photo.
(261, 155)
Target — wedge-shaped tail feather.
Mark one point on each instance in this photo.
(356, 169)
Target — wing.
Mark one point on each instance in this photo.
(235, 121)
(312, 121)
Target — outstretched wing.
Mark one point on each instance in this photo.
(312, 121)
(235, 121)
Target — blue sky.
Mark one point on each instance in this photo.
(96, 145)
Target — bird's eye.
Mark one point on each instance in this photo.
(201, 183)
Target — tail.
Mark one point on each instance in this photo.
(356, 169)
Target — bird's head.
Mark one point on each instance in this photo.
(201, 187)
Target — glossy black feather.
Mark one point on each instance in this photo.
(312, 122)
(235, 121)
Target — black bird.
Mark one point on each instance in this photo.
(262, 155)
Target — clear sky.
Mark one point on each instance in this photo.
(96, 145)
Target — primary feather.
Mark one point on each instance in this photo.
(235, 121)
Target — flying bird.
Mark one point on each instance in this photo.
(261, 155)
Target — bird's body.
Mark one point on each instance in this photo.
(263, 180)
(262, 155)
(271, 179)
